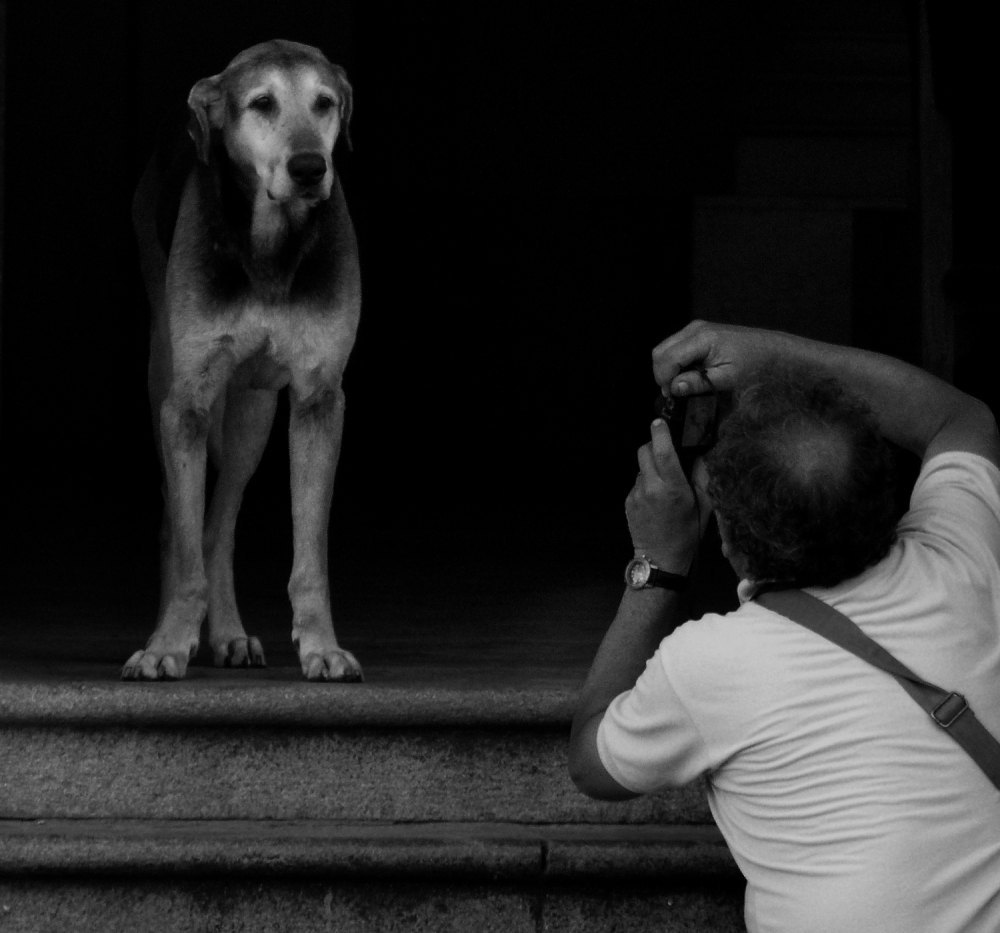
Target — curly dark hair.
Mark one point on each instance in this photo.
(802, 479)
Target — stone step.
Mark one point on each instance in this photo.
(111, 875)
(221, 905)
(372, 849)
(857, 167)
(433, 797)
(243, 745)
(242, 800)
(868, 17)
(838, 53)
(817, 105)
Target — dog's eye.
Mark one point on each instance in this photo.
(263, 104)
(325, 103)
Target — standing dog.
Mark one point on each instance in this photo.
(250, 262)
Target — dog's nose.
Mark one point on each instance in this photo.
(307, 168)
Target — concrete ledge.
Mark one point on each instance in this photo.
(345, 905)
(281, 698)
(495, 851)
(464, 774)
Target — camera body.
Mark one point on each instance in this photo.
(692, 422)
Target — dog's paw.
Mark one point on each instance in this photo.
(334, 664)
(156, 665)
(244, 651)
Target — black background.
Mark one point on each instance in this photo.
(521, 184)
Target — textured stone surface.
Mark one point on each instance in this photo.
(94, 696)
(637, 857)
(872, 167)
(41, 906)
(223, 907)
(301, 849)
(271, 773)
(272, 848)
(693, 910)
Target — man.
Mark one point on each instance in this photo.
(845, 806)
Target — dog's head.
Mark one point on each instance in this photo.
(279, 108)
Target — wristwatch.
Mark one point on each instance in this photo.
(640, 574)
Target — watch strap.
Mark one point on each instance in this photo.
(666, 580)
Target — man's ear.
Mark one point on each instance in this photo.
(736, 560)
(207, 103)
(346, 95)
(700, 483)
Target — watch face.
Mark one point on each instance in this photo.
(638, 573)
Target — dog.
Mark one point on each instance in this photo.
(250, 263)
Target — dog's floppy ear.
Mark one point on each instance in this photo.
(207, 103)
(346, 94)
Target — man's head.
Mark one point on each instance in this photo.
(801, 480)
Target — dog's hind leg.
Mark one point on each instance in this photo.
(315, 429)
(236, 451)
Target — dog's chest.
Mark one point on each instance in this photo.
(268, 347)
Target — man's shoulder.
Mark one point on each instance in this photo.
(959, 469)
(956, 496)
(727, 668)
(721, 641)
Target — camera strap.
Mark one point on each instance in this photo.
(949, 710)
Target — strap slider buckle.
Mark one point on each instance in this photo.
(949, 709)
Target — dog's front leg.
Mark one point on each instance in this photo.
(315, 429)
(174, 642)
(184, 426)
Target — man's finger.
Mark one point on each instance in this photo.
(648, 472)
(684, 364)
(690, 382)
(680, 353)
(668, 466)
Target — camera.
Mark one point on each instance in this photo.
(692, 422)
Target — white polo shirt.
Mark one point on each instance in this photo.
(846, 807)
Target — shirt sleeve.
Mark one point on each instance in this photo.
(647, 739)
(956, 502)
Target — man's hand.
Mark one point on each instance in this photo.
(724, 352)
(663, 513)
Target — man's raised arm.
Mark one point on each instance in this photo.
(917, 411)
(666, 524)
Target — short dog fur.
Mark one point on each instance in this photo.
(250, 263)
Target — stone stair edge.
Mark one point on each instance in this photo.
(302, 705)
(497, 851)
(786, 203)
(776, 127)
